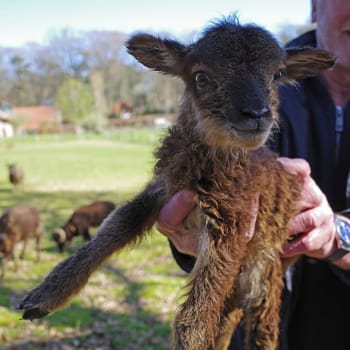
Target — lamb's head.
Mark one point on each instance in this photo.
(231, 77)
(60, 237)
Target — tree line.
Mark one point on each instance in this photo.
(84, 74)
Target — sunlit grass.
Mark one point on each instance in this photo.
(82, 165)
(132, 299)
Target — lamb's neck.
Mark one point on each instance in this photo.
(188, 126)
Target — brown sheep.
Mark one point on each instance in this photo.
(229, 107)
(81, 220)
(18, 224)
(16, 174)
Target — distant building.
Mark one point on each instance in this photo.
(6, 128)
(37, 119)
(121, 110)
(162, 122)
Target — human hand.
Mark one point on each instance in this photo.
(172, 215)
(170, 222)
(314, 225)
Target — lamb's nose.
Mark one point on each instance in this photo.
(256, 113)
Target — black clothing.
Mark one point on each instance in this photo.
(318, 304)
(308, 119)
(315, 311)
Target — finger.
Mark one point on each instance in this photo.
(175, 211)
(185, 241)
(311, 195)
(316, 243)
(255, 210)
(306, 220)
(170, 232)
(296, 166)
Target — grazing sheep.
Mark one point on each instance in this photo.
(18, 224)
(80, 222)
(16, 174)
(229, 106)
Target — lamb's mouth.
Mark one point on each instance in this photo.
(257, 131)
(253, 126)
(251, 131)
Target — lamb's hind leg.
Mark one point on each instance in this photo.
(197, 322)
(261, 320)
(123, 226)
(231, 316)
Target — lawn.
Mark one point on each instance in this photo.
(130, 302)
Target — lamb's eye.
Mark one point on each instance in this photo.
(279, 74)
(202, 79)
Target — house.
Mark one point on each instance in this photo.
(122, 110)
(37, 119)
(6, 128)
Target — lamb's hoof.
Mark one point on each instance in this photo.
(32, 311)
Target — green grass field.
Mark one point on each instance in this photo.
(130, 302)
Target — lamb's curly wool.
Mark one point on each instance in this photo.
(231, 77)
(226, 181)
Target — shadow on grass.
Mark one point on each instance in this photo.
(107, 331)
(133, 288)
(129, 326)
(81, 327)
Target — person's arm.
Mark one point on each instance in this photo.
(314, 228)
(315, 225)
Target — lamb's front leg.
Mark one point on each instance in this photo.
(125, 225)
(218, 264)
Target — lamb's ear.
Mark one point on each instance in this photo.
(307, 62)
(159, 54)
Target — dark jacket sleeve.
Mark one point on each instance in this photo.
(290, 138)
(186, 262)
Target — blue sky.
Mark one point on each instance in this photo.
(23, 21)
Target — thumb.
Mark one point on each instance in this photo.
(178, 207)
